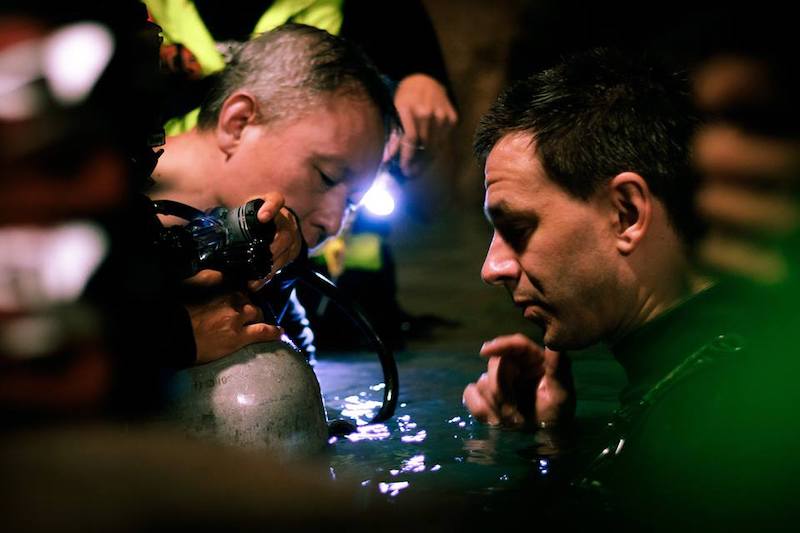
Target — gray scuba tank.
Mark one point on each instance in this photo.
(263, 396)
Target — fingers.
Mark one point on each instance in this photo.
(392, 147)
(555, 392)
(288, 241)
(227, 323)
(427, 117)
(426, 130)
(479, 406)
(557, 364)
(273, 202)
(260, 332)
(258, 284)
(515, 345)
(489, 401)
(516, 362)
(506, 393)
(435, 123)
(251, 313)
(489, 384)
(409, 141)
(483, 410)
(205, 278)
(423, 124)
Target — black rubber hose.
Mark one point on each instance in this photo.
(170, 207)
(326, 287)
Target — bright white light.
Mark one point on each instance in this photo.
(379, 200)
(75, 58)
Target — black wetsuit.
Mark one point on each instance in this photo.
(707, 432)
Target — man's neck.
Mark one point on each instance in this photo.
(654, 299)
(186, 170)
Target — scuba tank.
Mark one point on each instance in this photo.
(263, 396)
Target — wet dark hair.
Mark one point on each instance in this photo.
(291, 66)
(600, 113)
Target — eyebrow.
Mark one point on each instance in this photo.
(503, 214)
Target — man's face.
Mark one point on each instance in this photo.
(322, 161)
(553, 252)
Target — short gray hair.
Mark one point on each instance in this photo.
(288, 68)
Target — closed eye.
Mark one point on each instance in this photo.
(327, 180)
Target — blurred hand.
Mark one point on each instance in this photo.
(225, 321)
(288, 241)
(524, 384)
(427, 117)
(748, 195)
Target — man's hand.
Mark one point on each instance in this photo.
(288, 241)
(427, 117)
(225, 321)
(524, 384)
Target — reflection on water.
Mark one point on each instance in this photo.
(419, 437)
(359, 409)
(393, 489)
(480, 451)
(369, 432)
(432, 445)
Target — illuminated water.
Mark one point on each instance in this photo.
(432, 447)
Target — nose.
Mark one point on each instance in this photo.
(501, 265)
(333, 210)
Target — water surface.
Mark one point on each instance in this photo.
(432, 447)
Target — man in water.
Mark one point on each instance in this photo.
(590, 191)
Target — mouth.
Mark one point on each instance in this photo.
(533, 310)
(529, 302)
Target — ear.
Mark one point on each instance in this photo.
(238, 111)
(633, 210)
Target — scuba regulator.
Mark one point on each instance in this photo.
(236, 243)
(231, 241)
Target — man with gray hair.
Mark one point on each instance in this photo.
(299, 115)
